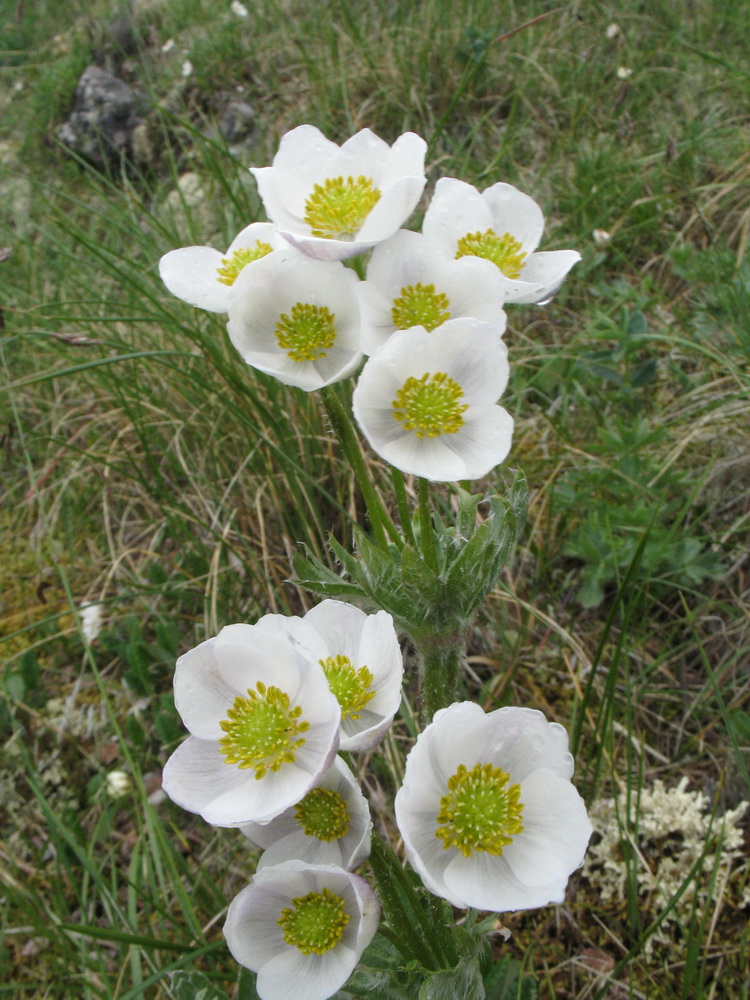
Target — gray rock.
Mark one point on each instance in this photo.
(105, 113)
(237, 121)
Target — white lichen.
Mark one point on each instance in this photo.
(658, 836)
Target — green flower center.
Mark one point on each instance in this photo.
(262, 730)
(231, 266)
(351, 687)
(504, 251)
(314, 923)
(420, 305)
(339, 206)
(480, 812)
(308, 333)
(323, 814)
(430, 405)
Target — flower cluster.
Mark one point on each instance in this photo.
(268, 706)
(429, 315)
(487, 812)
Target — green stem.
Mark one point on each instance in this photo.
(402, 503)
(342, 425)
(390, 889)
(440, 663)
(425, 524)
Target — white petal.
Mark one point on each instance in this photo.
(430, 458)
(191, 273)
(197, 776)
(469, 351)
(320, 248)
(380, 651)
(393, 208)
(256, 232)
(202, 695)
(555, 833)
(484, 441)
(274, 203)
(456, 209)
(516, 213)
(486, 882)
(356, 739)
(294, 976)
(341, 625)
(362, 154)
(542, 275)
(522, 741)
(252, 937)
(405, 159)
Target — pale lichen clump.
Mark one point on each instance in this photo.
(669, 832)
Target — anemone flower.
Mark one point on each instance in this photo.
(332, 202)
(426, 401)
(297, 319)
(331, 825)
(502, 225)
(487, 810)
(410, 283)
(203, 277)
(264, 727)
(361, 657)
(302, 928)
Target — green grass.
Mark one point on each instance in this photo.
(146, 468)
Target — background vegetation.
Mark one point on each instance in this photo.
(145, 469)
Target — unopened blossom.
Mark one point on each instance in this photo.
(500, 224)
(91, 621)
(361, 657)
(487, 811)
(427, 401)
(297, 319)
(333, 201)
(118, 784)
(302, 928)
(203, 277)
(330, 825)
(264, 727)
(410, 283)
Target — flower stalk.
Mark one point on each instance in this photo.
(382, 526)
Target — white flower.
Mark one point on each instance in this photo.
(362, 660)
(613, 30)
(264, 727)
(91, 621)
(297, 319)
(504, 226)
(426, 401)
(203, 277)
(239, 9)
(331, 825)
(488, 814)
(601, 237)
(118, 784)
(302, 928)
(410, 283)
(623, 72)
(187, 68)
(333, 202)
